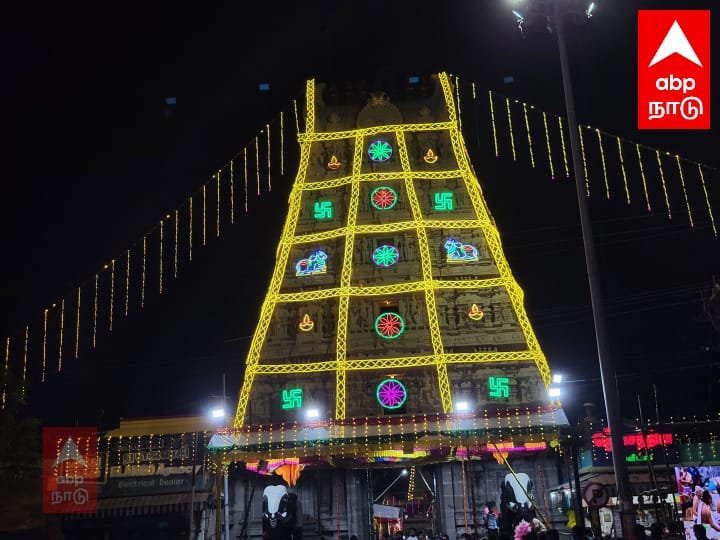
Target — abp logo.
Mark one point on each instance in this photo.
(673, 69)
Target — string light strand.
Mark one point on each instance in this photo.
(642, 177)
(510, 127)
(25, 361)
(245, 176)
(142, 278)
(160, 266)
(267, 129)
(112, 294)
(61, 336)
(707, 199)
(190, 229)
(529, 135)
(204, 213)
(257, 164)
(95, 311)
(282, 144)
(5, 372)
(492, 121)
(564, 149)
(175, 247)
(232, 191)
(44, 345)
(127, 282)
(584, 160)
(549, 149)
(217, 206)
(604, 166)
(77, 324)
(682, 183)
(622, 168)
(662, 182)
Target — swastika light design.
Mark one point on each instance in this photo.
(323, 210)
(391, 394)
(385, 255)
(383, 198)
(380, 151)
(389, 325)
(444, 201)
(292, 398)
(499, 387)
(298, 240)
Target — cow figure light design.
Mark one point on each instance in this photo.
(314, 264)
(459, 252)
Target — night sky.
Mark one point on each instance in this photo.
(92, 157)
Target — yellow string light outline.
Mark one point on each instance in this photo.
(44, 344)
(77, 324)
(160, 266)
(127, 282)
(217, 206)
(341, 364)
(245, 176)
(602, 160)
(297, 117)
(510, 127)
(95, 311)
(5, 371)
(112, 294)
(707, 199)
(282, 144)
(457, 100)
(267, 129)
(642, 176)
(662, 182)
(232, 191)
(257, 164)
(584, 160)
(142, 277)
(682, 182)
(175, 248)
(190, 229)
(474, 95)
(564, 149)
(25, 361)
(492, 121)
(204, 213)
(622, 168)
(60, 337)
(549, 149)
(529, 135)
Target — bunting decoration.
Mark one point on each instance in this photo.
(174, 232)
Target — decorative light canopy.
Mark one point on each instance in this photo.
(391, 394)
(385, 255)
(383, 198)
(380, 151)
(389, 325)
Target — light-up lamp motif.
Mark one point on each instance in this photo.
(459, 252)
(385, 255)
(389, 325)
(315, 263)
(476, 313)
(333, 164)
(383, 198)
(380, 151)
(430, 157)
(391, 394)
(306, 324)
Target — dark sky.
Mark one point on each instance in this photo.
(93, 157)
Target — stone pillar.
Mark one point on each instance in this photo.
(356, 501)
(446, 499)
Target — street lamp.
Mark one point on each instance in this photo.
(552, 14)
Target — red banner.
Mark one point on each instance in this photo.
(674, 69)
(70, 470)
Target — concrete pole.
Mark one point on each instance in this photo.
(607, 375)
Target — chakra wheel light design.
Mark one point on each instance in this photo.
(385, 255)
(391, 394)
(383, 198)
(380, 151)
(389, 325)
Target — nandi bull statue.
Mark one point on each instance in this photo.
(457, 251)
(516, 501)
(280, 514)
(314, 264)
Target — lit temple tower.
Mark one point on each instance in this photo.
(391, 294)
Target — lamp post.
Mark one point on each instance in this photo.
(221, 414)
(607, 375)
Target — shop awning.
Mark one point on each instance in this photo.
(144, 505)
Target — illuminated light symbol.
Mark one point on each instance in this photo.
(323, 210)
(333, 164)
(380, 151)
(306, 324)
(292, 398)
(385, 255)
(459, 252)
(499, 387)
(389, 325)
(391, 394)
(314, 264)
(444, 201)
(476, 313)
(430, 156)
(383, 198)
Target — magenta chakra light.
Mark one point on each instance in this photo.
(391, 394)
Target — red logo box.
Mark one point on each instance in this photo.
(673, 69)
(70, 470)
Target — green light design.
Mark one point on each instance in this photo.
(323, 210)
(292, 398)
(380, 151)
(444, 201)
(385, 255)
(499, 387)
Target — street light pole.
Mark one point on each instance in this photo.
(607, 375)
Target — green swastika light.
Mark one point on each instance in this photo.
(292, 398)
(499, 387)
(323, 210)
(444, 201)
